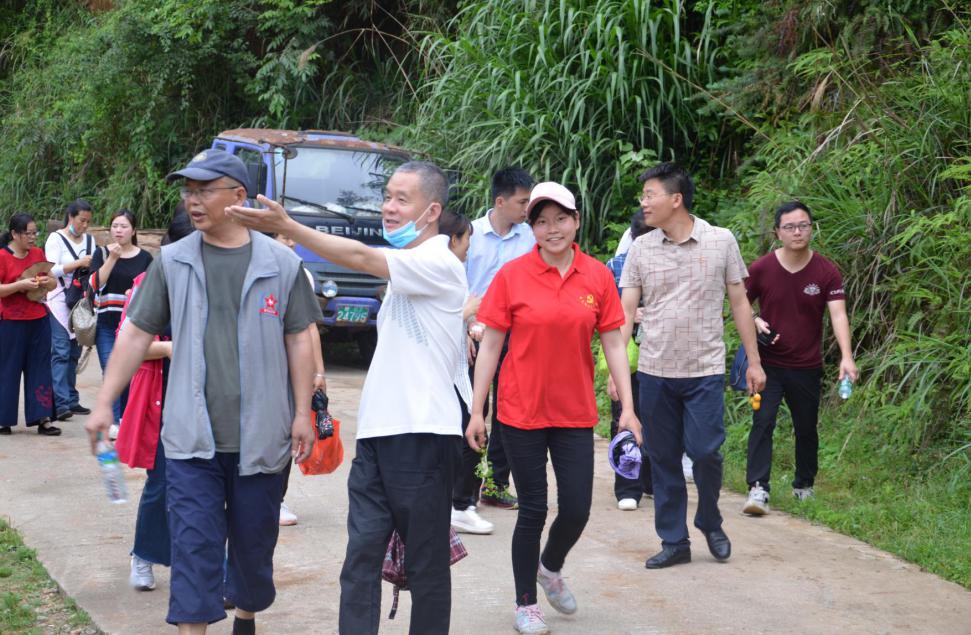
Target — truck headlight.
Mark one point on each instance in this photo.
(328, 289)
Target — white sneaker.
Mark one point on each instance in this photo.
(113, 432)
(687, 466)
(803, 493)
(287, 517)
(141, 577)
(757, 503)
(529, 619)
(468, 521)
(627, 504)
(557, 594)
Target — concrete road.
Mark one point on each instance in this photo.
(785, 576)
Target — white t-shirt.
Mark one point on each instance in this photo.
(625, 242)
(408, 388)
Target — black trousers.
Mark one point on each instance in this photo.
(571, 450)
(466, 489)
(401, 482)
(800, 387)
(467, 483)
(626, 487)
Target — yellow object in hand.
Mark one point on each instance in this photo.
(755, 401)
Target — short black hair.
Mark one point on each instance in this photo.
(431, 179)
(454, 225)
(791, 206)
(637, 225)
(675, 180)
(506, 181)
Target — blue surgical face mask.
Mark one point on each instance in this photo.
(71, 229)
(404, 235)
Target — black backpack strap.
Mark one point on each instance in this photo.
(67, 243)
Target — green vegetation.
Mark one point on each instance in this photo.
(565, 89)
(868, 492)
(29, 599)
(861, 109)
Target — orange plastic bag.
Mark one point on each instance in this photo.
(327, 455)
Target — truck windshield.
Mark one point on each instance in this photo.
(352, 179)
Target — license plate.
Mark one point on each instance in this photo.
(352, 314)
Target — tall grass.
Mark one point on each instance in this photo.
(564, 88)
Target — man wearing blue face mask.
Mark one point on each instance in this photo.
(409, 422)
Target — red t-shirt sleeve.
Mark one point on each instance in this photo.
(752, 289)
(834, 288)
(611, 314)
(495, 311)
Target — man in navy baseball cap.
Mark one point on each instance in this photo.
(210, 165)
(213, 180)
(240, 305)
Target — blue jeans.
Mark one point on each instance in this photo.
(104, 340)
(65, 353)
(152, 539)
(683, 415)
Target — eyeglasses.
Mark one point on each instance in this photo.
(792, 227)
(29, 234)
(202, 193)
(650, 197)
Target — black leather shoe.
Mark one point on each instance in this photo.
(78, 409)
(668, 557)
(47, 430)
(63, 415)
(5, 431)
(719, 545)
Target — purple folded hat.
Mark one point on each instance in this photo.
(624, 455)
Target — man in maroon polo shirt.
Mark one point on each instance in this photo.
(793, 286)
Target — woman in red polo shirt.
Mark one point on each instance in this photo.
(550, 300)
(24, 329)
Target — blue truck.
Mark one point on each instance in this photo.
(333, 182)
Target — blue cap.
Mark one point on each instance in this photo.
(210, 165)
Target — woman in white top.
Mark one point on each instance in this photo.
(70, 249)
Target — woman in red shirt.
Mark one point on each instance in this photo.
(550, 300)
(24, 329)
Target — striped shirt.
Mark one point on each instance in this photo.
(110, 297)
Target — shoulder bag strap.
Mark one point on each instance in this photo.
(74, 254)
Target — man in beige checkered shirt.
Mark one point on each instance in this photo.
(681, 271)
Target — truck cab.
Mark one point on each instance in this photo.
(333, 182)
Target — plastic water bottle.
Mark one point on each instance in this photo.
(846, 388)
(111, 473)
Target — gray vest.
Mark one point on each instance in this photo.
(266, 405)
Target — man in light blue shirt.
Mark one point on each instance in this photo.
(501, 234)
(497, 237)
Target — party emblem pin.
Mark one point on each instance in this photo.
(269, 306)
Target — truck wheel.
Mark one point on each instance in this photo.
(366, 343)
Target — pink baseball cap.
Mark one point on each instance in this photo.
(550, 191)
